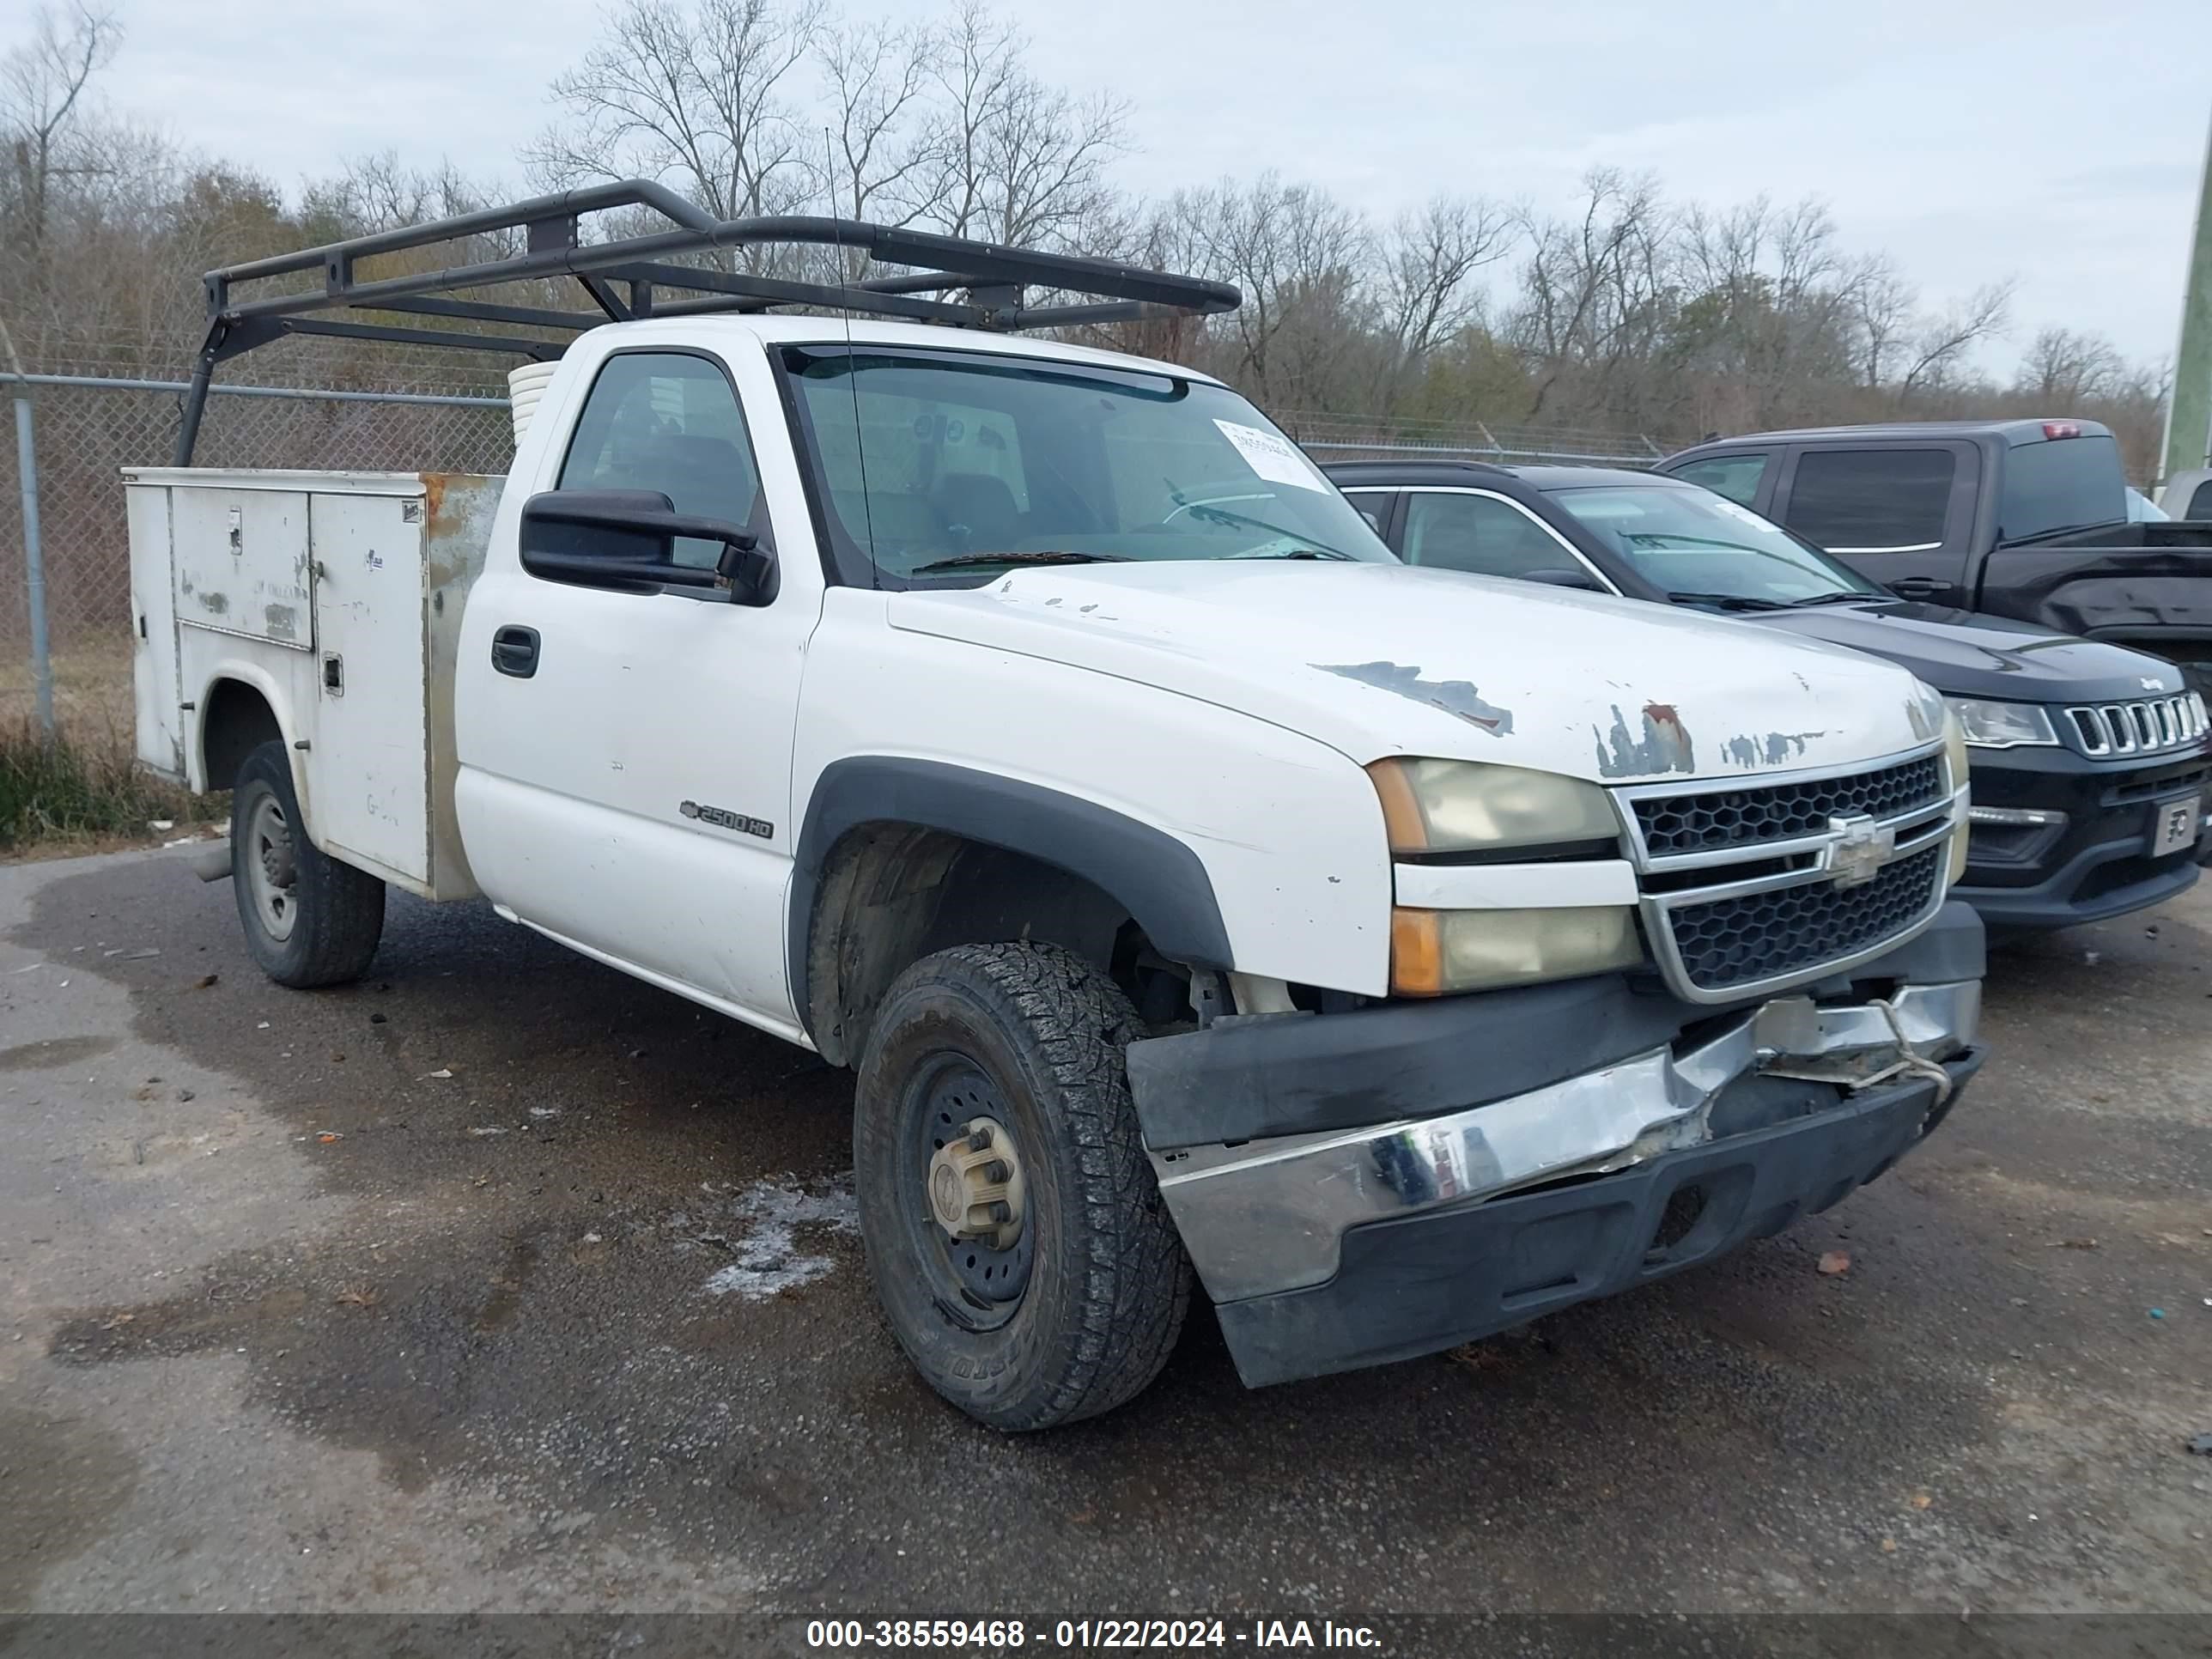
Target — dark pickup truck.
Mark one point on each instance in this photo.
(2020, 519)
(2091, 763)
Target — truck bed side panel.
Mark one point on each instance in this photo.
(2133, 591)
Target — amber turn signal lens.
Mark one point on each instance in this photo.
(1401, 811)
(1417, 953)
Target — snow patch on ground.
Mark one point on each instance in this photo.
(764, 1219)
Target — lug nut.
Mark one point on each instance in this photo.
(980, 1141)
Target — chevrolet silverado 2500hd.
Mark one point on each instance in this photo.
(1034, 730)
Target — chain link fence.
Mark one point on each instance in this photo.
(88, 428)
(1349, 438)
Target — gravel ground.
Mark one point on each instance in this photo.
(501, 1283)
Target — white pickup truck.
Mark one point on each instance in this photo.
(1034, 730)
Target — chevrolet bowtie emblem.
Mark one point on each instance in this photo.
(1857, 849)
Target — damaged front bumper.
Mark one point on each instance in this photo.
(1362, 1243)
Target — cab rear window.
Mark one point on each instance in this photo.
(2061, 484)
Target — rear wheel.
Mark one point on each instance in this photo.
(1015, 1233)
(309, 919)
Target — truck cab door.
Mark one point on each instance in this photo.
(1900, 511)
(625, 780)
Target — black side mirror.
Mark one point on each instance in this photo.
(625, 540)
(1581, 579)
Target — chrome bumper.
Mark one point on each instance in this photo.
(1268, 1215)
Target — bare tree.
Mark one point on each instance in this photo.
(694, 97)
(1299, 257)
(2064, 368)
(381, 192)
(876, 78)
(1015, 160)
(1881, 309)
(42, 89)
(1945, 340)
(1594, 287)
(1429, 262)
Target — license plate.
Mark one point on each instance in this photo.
(2175, 826)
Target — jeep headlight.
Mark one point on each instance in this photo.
(1462, 806)
(1954, 765)
(1988, 725)
(1433, 806)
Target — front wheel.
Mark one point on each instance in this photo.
(309, 919)
(1014, 1231)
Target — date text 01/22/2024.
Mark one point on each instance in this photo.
(1086, 1635)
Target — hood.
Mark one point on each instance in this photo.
(1970, 655)
(1377, 660)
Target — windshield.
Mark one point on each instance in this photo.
(1683, 539)
(930, 465)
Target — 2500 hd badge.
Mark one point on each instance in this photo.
(722, 818)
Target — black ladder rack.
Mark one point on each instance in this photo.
(627, 277)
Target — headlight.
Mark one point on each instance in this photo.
(2001, 725)
(1458, 806)
(1435, 952)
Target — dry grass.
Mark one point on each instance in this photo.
(85, 790)
(92, 692)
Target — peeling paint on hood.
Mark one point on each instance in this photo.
(1452, 696)
(1663, 746)
(1379, 660)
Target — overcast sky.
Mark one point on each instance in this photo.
(2058, 143)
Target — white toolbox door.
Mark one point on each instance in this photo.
(368, 770)
(242, 563)
(153, 626)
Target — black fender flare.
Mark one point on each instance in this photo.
(1159, 879)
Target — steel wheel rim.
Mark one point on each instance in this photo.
(273, 868)
(981, 1286)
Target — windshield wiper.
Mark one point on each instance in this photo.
(1222, 515)
(966, 560)
(1844, 598)
(1727, 601)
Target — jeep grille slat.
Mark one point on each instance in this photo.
(2140, 728)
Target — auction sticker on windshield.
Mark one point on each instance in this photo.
(1741, 514)
(1271, 455)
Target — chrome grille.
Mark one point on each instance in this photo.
(1754, 886)
(1764, 936)
(1699, 820)
(2136, 728)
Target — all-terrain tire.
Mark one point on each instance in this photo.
(1107, 1284)
(328, 916)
